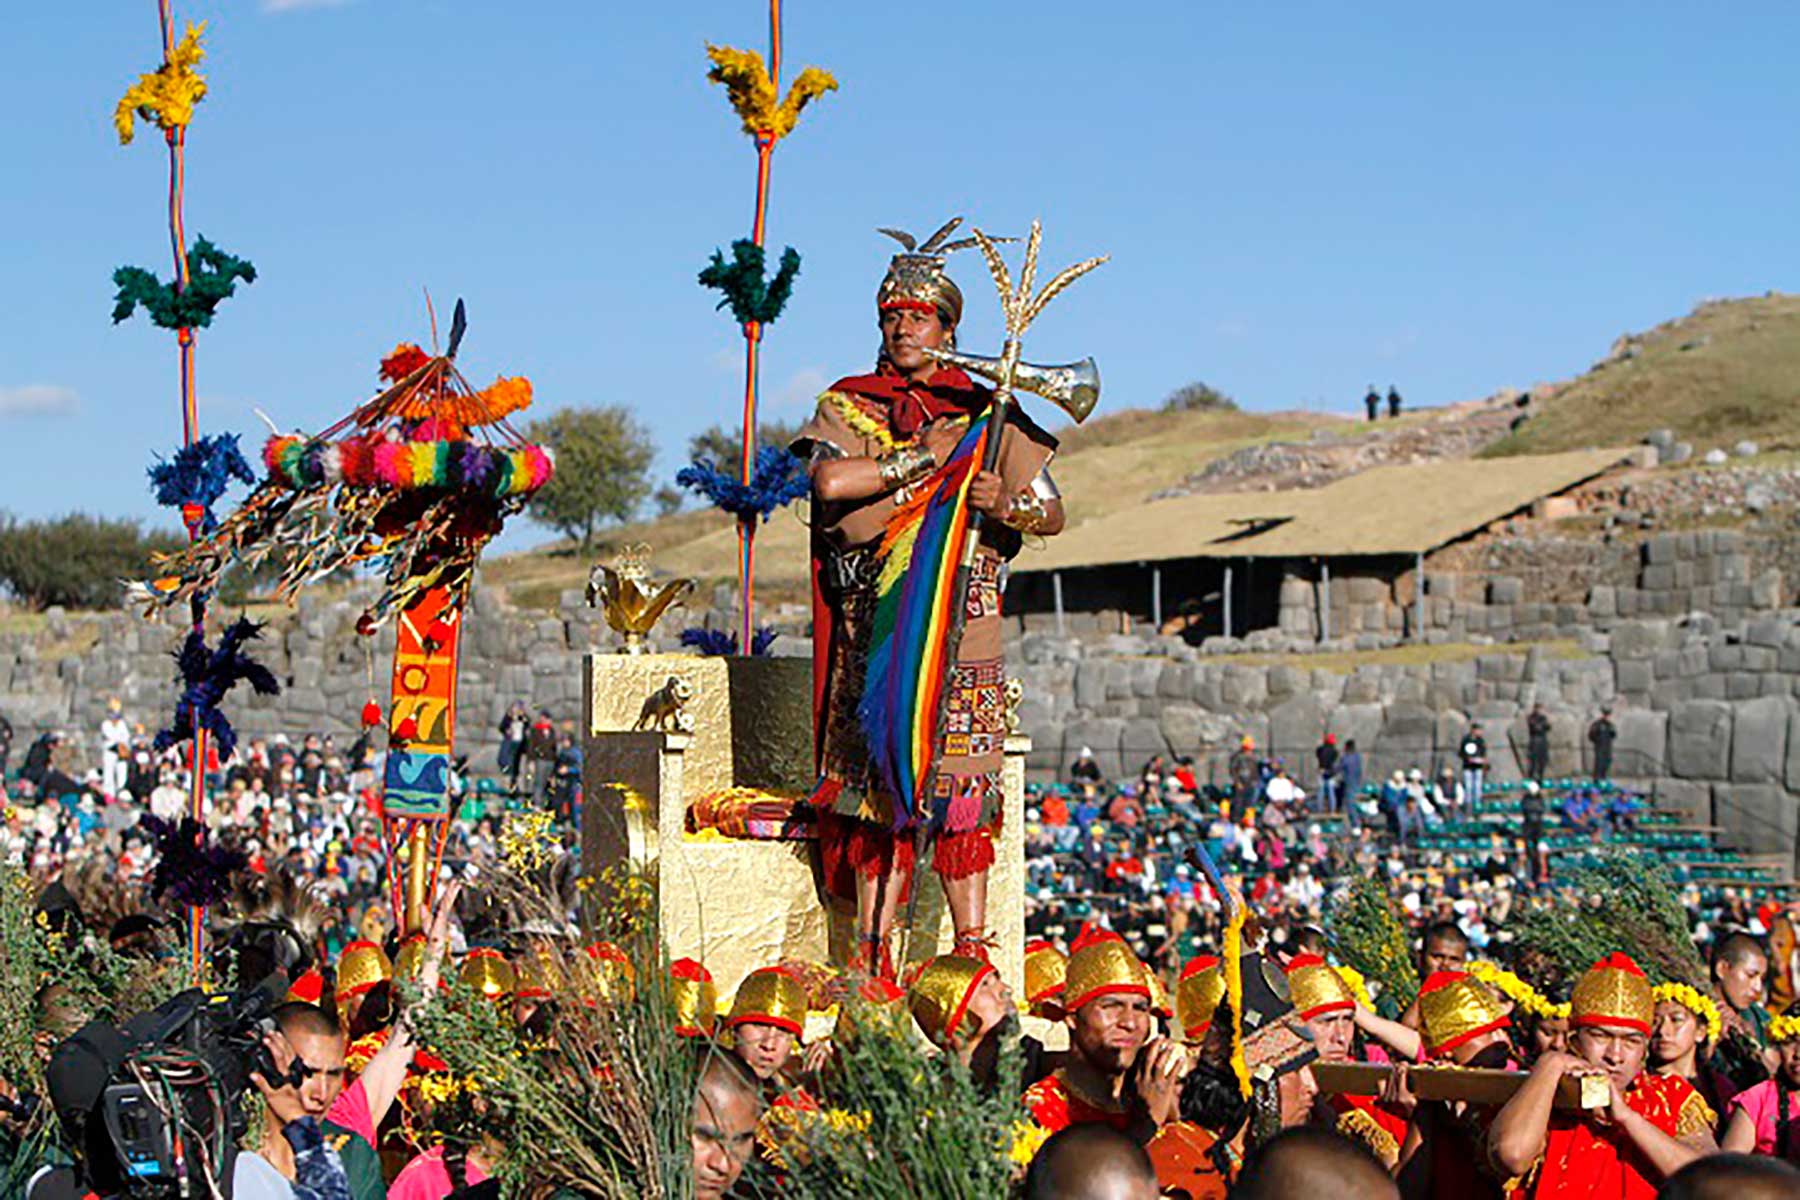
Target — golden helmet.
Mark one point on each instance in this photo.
(1613, 992)
(411, 958)
(1197, 995)
(770, 996)
(611, 977)
(1101, 964)
(1046, 971)
(537, 975)
(1454, 1007)
(695, 997)
(487, 971)
(1317, 988)
(939, 997)
(360, 967)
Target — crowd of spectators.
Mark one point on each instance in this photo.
(301, 800)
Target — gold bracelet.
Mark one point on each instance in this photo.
(904, 466)
(1026, 513)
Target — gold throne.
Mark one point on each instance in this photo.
(662, 730)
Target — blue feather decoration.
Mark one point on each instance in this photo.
(776, 481)
(199, 474)
(717, 643)
(207, 675)
(779, 479)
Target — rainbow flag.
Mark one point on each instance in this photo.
(909, 642)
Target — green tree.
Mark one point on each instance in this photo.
(668, 500)
(724, 444)
(602, 470)
(77, 561)
(1198, 397)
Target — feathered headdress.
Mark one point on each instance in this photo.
(282, 896)
(915, 277)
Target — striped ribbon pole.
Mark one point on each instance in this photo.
(765, 153)
(190, 431)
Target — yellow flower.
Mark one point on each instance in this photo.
(1783, 1029)
(843, 1121)
(525, 840)
(1522, 994)
(1358, 985)
(752, 92)
(168, 94)
(1701, 1005)
(1028, 1137)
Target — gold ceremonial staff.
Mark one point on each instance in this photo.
(1074, 388)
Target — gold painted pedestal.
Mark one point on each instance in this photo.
(740, 904)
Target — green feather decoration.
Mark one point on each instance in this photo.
(213, 275)
(751, 297)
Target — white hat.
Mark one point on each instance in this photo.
(1085, 753)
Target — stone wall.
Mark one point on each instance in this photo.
(1706, 708)
(1707, 714)
(63, 676)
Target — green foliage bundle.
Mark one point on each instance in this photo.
(898, 1125)
(1199, 397)
(1367, 933)
(604, 1105)
(213, 276)
(603, 460)
(1617, 901)
(77, 560)
(53, 983)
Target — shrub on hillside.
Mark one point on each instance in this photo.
(1199, 397)
(77, 561)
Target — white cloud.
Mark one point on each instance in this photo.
(37, 400)
(277, 6)
(801, 389)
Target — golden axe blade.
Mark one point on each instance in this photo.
(1073, 387)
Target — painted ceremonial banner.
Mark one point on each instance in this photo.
(422, 717)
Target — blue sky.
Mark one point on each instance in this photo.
(1299, 199)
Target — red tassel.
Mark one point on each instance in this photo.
(407, 730)
(960, 855)
(371, 715)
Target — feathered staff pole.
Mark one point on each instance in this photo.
(167, 96)
(753, 91)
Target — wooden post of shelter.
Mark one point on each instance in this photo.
(1419, 597)
(1228, 599)
(1324, 600)
(1056, 590)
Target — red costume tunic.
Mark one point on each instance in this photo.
(1584, 1158)
(1055, 1106)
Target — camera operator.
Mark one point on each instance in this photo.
(350, 1116)
(317, 1172)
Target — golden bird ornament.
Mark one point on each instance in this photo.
(631, 603)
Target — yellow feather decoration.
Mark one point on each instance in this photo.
(752, 92)
(168, 94)
(1234, 992)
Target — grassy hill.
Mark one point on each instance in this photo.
(1727, 371)
(1114, 461)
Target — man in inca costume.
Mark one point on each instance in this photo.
(876, 442)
